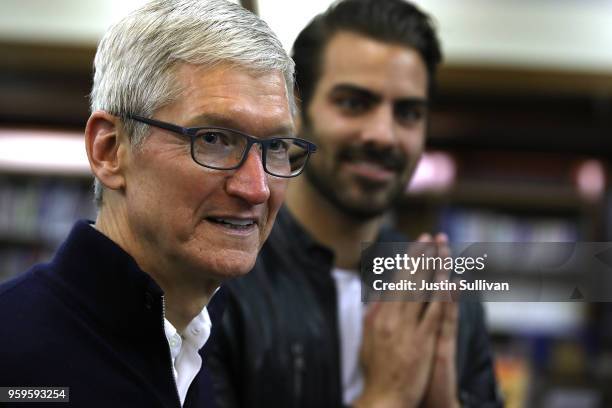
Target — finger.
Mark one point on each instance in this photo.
(430, 323)
(449, 325)
(424, 237)
(410, 310)
(442, 274)
(392, 317)
(372, 310)
(441, 238)
(383, 316)
(417, 247)
(368, 332)
(386, 319)
(429, 270)
(444, 250)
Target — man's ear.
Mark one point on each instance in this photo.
(105, 149)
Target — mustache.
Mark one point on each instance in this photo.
(388, 158)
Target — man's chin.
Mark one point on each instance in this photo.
(363, 211)
(232, 268)
(233, 274)
(366, 203)
(359, 198)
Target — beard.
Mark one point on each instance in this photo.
(357, 197)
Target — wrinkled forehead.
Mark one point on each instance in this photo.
(233, 95)
(243, 79)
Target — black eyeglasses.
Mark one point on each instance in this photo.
(227, 149)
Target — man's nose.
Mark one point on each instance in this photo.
(379, 127)
(250, 181)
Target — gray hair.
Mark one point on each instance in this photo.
(136, 59)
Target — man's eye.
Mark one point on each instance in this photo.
(411, 114)
(353, 105)
(278, 145)
(210, 137)
(214, 138)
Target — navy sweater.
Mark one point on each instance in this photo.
(92, 320)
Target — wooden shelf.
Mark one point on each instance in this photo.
(20, 240)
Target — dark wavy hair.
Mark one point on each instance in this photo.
(389, 21)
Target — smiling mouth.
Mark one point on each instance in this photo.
(371, 171)
(235, 224)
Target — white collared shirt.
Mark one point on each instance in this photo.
(186, 361)
(350, 324)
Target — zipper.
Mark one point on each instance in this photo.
(297, 351)
(178, 398)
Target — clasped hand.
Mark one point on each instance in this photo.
(408, 350)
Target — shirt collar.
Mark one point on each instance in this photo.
(288, 235)
(196, 333)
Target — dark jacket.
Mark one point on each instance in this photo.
(91, 320)
(278, 345)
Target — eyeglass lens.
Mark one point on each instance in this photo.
(224, 149)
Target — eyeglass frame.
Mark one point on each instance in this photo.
(191, 132)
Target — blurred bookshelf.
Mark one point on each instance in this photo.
(36, 215)
(44, 188)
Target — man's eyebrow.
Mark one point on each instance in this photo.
(356, 91)
(230, 122)
(413, 101)
(368, 94)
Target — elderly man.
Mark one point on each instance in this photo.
(190, 141)
(294, 333)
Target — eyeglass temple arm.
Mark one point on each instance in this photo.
(161, 125)
(311, 147)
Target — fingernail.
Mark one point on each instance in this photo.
(424, 237)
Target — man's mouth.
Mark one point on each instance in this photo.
(238, 224)
(371, 171)
(372, 164)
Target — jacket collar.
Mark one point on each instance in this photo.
(106, 281)
(289, 235)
